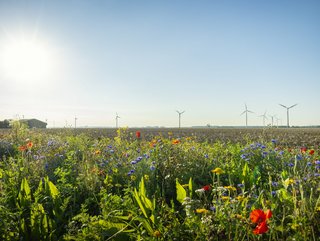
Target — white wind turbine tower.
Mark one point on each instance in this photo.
(288, 108)
(272, 116)
(117, 117)
(264, 117)
(246, 111)
(180, 113)
(75, 122)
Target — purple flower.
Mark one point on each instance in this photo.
(243, 156)
(131, 172)
(213, 208)
(152, 168)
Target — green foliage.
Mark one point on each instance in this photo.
(76, 187)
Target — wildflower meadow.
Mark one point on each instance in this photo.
(73, 186)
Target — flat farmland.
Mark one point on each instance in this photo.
(284, 136)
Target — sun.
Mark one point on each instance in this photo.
(26, 60)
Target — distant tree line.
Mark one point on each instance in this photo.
(4, 124)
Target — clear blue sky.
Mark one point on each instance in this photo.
(146, 59)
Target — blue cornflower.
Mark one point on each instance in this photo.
(131, 172)
(139, 158)
(298, 157)
(134, 162)
(317, 162)
(46, 166)
(152, 168)
(309, 164)
(50, 143)
(273, 193)
(264, 154)
(240, 185)
(317, 174)
(274, 141)
(275, 184)
(206, 156)
(213, 208)
(290, 164)
(243, 156)
(281, 153)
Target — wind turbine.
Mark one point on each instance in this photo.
(264, 117)
(180, 113)
(75, 122)
(117, 117)
(288, 108)
(272, 116)
(246, 111)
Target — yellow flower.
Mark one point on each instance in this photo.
(288, 181)
(225, 198)
(240, 198)
(97, 152)
(133, 177)
(230, 188)
(157, 233)
(217, 171)
(239, 216)
(146, 177)
(201, 210)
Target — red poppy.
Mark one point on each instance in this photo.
(206, 187)
(257, 216)
(303, 149)
(176, 141)
(311, 152)
(22, 148)
(138, 134)
(30, 144)
(260, 217)
(261, 228)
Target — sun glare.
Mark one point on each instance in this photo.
(26, 60)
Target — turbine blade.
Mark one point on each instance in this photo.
(292, 106)
(243, 112)
(283, 106)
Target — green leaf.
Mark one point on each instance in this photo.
(25, 188)
(138, 200)
(54, 192)
(181, 192)
(245, 170)
(190, 187)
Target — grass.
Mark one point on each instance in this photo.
(172, 185)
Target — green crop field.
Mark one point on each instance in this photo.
(160, 184)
